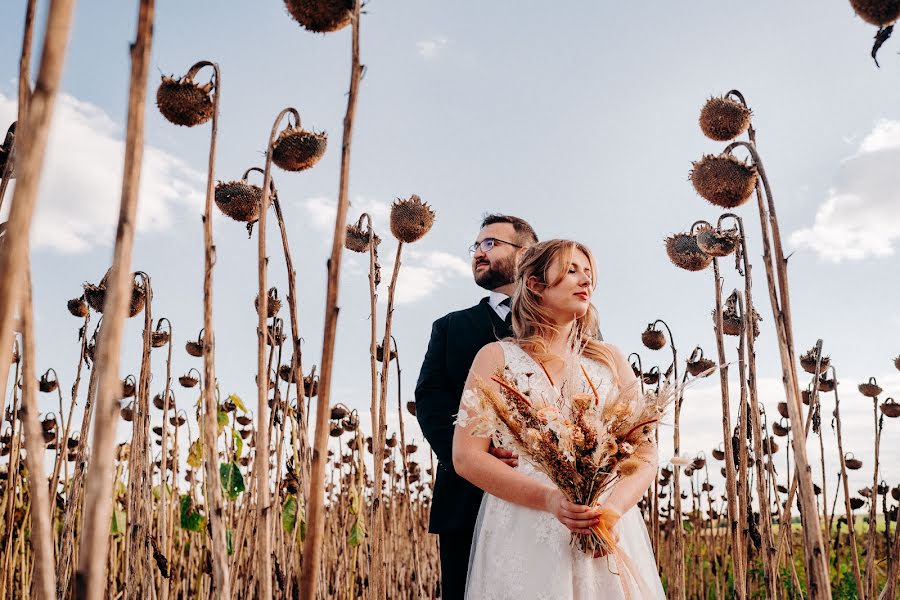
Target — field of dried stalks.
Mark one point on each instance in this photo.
(286, 496)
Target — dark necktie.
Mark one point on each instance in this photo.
(507, 303)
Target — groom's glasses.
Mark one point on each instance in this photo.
(487, 244)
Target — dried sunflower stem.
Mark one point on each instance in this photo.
(779, 296)
(848, 510)
(41, 536)
(378, 440)
(769, 554)
(312, 550)
(737, 536)
(29, 162)
(871, 536)
(261, 467)
(92, 557)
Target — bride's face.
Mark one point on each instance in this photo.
(571, 297)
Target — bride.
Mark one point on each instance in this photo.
(521, 547)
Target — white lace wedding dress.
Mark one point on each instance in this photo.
(519, 553)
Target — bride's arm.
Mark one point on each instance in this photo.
(472, 461)
(628, 491)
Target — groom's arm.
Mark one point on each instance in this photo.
(435, 402)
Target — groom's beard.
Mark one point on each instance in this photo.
(497, 274)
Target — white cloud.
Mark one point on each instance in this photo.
(861, 215)
(422, 273)
(430, 48)
(81, 184)
(322, 211)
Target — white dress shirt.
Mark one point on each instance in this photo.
(494, 299)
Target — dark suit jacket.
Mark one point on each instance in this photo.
(455, 340)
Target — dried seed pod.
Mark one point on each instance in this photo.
(158, 430)
(336, 430)
(159, 401)
(46, 384)
(297, 149)
(826, 384)
(895, 493)
(871, 389)
(379, 353)
(275, 336)
(411, 219)
(188, 380)
(781, 429)
(78, 307)
(724, 180)
(273, 304)
(897, 363)
(321, 16)
(177, 420)
(718, 242)
(195, 348)
(184, 102)
(48, 423)
(852, 462)
(808, 361)
(783, 410)
(684, 252)
(96, 295)
(718, 454)
(239, 200)
(286, 372)
(243, 420)
(699, 366)
(698, 463)
(857, 503)
(158, 339)
(880, 13)
(310, 386)
(351, 422)
(338, 412)
(651, 377)
(724, 119)
(890, 408)
(652, 338)
(411, 407)
(127, 412)
(357, 239)
(806, 396)
(391, 442)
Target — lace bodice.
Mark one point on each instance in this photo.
(523, 553)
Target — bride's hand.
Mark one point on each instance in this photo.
(577, 517)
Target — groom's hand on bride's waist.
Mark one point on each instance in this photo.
(507, 456)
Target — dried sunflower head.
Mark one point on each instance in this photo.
(724, 180)
(724, 119)
(297, 149)
(184, 102)
(877, 12)
(321, 16)
(684, 252)
(411, 219)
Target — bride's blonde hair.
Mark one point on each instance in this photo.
(532, 323)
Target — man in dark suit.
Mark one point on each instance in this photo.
(455, 340)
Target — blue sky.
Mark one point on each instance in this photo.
(581, 118)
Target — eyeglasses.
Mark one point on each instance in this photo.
(487, 244)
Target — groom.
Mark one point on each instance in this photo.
(455, 340)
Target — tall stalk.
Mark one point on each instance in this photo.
(261, 462)
(312, 549)
(769, 555)
(43, 581)
(32, 137)
(779, 296)
(848, 510)
(90, 579)
(731, 487)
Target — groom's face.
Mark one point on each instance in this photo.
(496, 267)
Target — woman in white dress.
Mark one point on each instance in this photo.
(521, 548)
